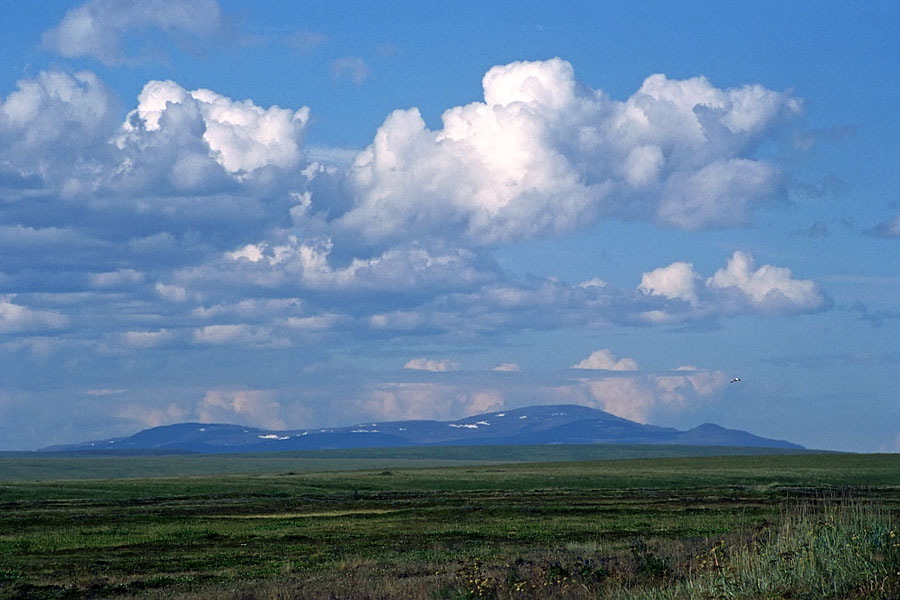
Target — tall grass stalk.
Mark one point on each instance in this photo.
(847, 549)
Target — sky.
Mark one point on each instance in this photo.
(304, 214)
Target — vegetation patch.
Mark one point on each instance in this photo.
(699, 528)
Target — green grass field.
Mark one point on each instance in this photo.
(695, 527)
(36, 466)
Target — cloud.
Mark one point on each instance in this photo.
(322, 322)
(649, 397)
(198, 222)
(272, 264)
(717, 195)
(677, 281)
(148, 339)
(146, 416)
(99, 28)
(15, 318)
(182, 159)
(245, 407)
(739, 288)
(414, 292)
(507, 368)
(400, 321)
(351, 68)
(435, 366)
(604, 360)
(629, 398)
(50, 125)
(767, 288)
(592, 282)
(486, 401)
(544, 153)
(114, 279)
(644, 398)
(219, 203)
(105, 391)
(173, 293)
(190, 128)
(250, 309)
(32, 250)
(701, 381)
(398, 401)
(239, 334)
(403, 400)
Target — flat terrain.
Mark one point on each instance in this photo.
(19, 466)
(540, 529)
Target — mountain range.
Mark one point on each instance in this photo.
(556, 424)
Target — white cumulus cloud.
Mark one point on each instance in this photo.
(766, 287)
(545, 153)
(239, 135)
(740, 287)
(678, 280)
(605, 360)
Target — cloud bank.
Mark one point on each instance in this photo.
(544, 153)
(200, 227)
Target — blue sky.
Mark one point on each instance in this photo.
(304, 214)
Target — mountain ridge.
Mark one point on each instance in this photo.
(544, 424)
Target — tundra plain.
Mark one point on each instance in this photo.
(801, 525)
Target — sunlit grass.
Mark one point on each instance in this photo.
(847, 549)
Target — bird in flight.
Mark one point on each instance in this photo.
(735, 380)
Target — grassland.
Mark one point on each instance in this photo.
(18, 466)
(688, 527)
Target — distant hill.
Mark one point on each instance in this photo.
(556, 424)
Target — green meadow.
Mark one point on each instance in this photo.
(100, 465)
(447, 524)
